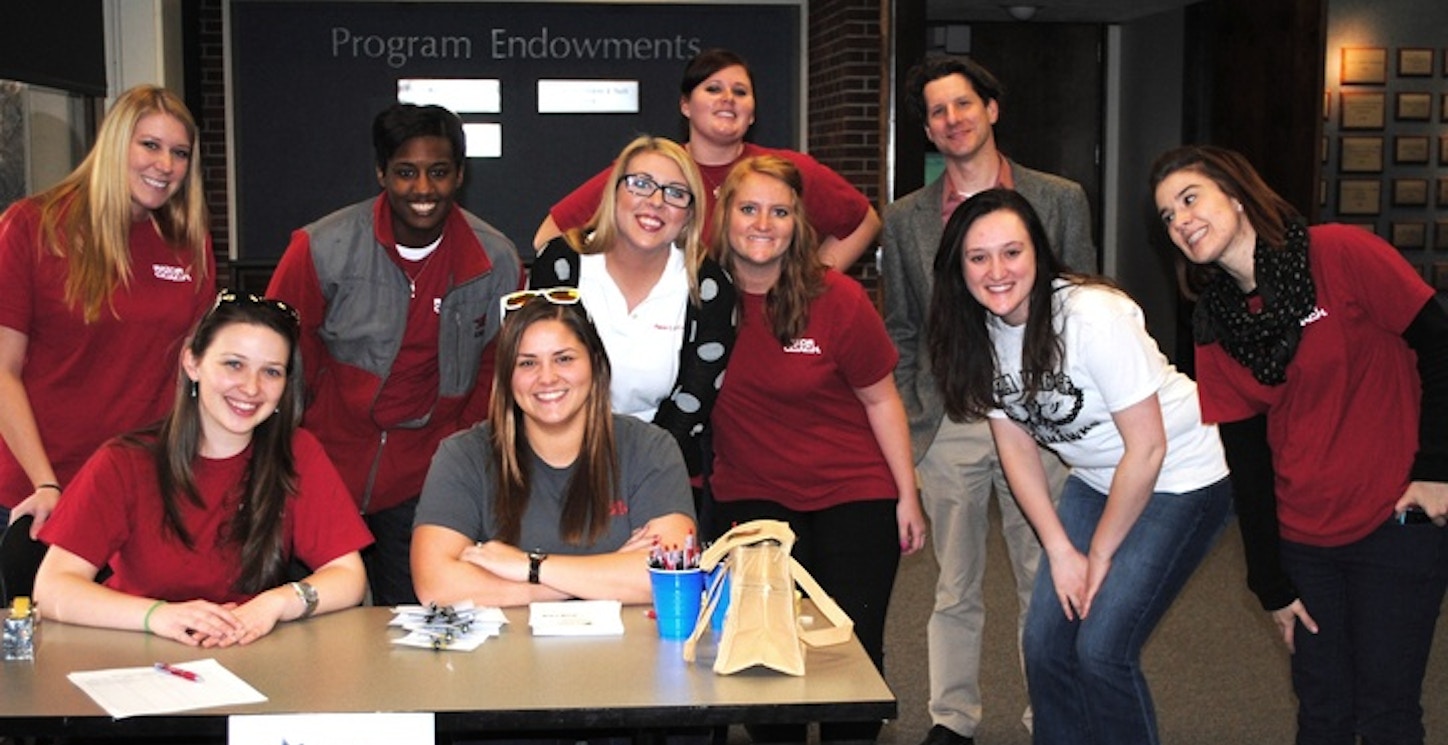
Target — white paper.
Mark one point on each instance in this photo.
(332, 729)
(576, 618)
(440, 634)
(135, 691)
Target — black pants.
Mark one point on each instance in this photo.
(389, 560)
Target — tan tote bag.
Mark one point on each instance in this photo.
(762, 625)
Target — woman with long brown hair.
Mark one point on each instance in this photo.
(555, 496)
(201, 517)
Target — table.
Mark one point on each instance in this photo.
(345, 662)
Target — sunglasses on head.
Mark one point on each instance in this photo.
(555, 295)
(226, 297)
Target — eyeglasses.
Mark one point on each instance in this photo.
(555, 295)
(644, 185)
(228, 296)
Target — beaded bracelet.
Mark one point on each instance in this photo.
(146, 622)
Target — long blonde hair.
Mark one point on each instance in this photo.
(600, 232)
(86, 218)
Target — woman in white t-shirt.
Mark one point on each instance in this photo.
(1072, 368)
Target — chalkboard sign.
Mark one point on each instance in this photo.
(307, 78)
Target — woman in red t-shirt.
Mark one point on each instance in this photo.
(200, 517)
(1324, 357)
(716, 98)
(105, 271)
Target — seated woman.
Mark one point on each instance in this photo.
(1064, 361)
(200, 516)
(664, 309)
(554, 497)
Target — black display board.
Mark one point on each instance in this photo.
(307, 78)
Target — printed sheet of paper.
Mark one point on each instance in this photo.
(331, 729)
(576, 618)
(136, 691)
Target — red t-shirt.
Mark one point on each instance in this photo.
(834, 207)
(89, 382)
(1343, 428)
(788, 426)
(112, 513)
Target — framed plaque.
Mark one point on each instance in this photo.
(1410, 192)
(1443, 192)
(1327, 106)
(1364, 65)
(1409, 234)
(1410, 149)
(1440, 275)
(1359, 196)
(1440, 235)
(1415, 63)
(1363, 110)
(1371, 227)
(1324, 149)
(1443, 109)
(1443, 150)
(1414, 107)
(1360, 154)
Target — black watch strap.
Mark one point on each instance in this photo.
(535, 560)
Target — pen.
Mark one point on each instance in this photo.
(178, 672)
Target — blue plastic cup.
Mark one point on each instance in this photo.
(678, 594)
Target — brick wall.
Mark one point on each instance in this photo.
(211, 118)
(845, 50)
(846, 47)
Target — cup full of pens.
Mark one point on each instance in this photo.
(678, 585)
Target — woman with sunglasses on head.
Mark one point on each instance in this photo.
(200, 516)
(555, 496)
(716, 99)
(664, 308)
(106, 270)
(1324, 356)
(809, 427)
(1064, 361)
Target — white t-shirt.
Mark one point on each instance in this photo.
(1109, 363)
(643, 345)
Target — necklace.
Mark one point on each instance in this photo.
(412, 278)
(412, 256)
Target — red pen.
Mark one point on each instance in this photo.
(178, 672)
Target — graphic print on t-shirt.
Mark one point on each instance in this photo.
(1051, 415)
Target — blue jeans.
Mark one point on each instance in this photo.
(1084, 677)
(1376, 602)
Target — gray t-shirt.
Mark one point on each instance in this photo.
(458, 493)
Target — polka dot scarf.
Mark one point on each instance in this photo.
(1264, 340)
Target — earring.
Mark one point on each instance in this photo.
(194, 387)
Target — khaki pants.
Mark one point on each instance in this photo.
(958, 476)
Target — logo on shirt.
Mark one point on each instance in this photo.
(171, 273)
(1052, 416)
(619, 508)
(1316, 315)
(803, 346)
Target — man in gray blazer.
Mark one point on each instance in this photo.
(959, 101)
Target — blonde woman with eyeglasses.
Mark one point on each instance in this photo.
(663, 307)
(201, 516)
(555, 496)
(107, 270)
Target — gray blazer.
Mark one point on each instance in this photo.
(911, 238)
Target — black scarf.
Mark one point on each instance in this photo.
(1263, 341)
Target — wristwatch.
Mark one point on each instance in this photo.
(535, 560)
(308, 594)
